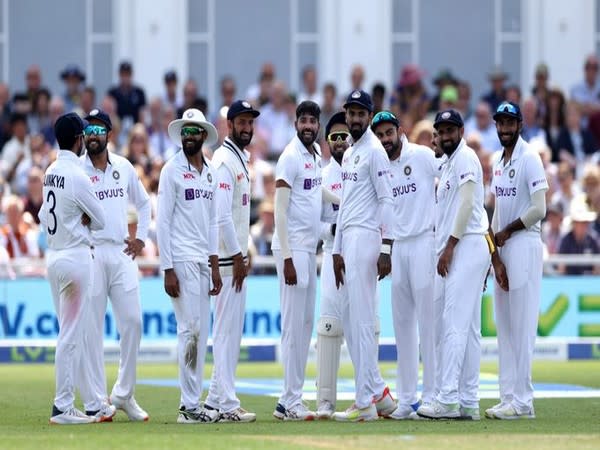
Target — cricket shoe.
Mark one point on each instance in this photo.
(104, 414)
(237, 415)
(71, 416)
(439, 410)
(130, 407)
(354, 414)
(197, 415)
(469, 413)
(510, 412)
(325, 410)
(385, 404)
(297, 412)
(404, 412)
(489, 413)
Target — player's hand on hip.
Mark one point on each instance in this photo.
(384, 265)
(289, 272)
(134, 247)
(240, 271)
(85, 220)
(216, 281)
(501, 237)
(443, 265)
(339, 270)
(171, 283)
(500, 273)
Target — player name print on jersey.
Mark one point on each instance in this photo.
(56, 181)
(110, 193)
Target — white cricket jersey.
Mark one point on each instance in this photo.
(186, 222)
(302, 171)
(366, 186)
(68, 193)
(514, 183)
(461, 167)
(233, 202)
(332, 181)
(413, 188)
(116, 188)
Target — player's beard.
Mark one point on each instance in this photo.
(243, 139)
(392, 149)
(510, 141)
(307, 137)
(356, 131)
(191, 146)
(449, 147)
(81, 147)
(337, 153)
(97, 149)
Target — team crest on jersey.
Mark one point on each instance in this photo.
(116, 175)
(209, 177)
(357, 159)
(407, 170)
(511, 174)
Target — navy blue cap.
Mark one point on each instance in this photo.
(360, 98)
(240, 107)
(100, 115)
(68, 126)
(72, 70)
(450, 116)
(125, 66)
(170, 76)
(508, 109)
(337, 118)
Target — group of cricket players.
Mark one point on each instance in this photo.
(381, 206)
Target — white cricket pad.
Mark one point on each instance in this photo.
(329, 343)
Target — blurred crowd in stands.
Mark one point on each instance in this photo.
(562, 123)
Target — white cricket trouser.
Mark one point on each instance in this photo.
(297, 317)
(461, 345)
(115, 276)
(192, 312)
(413, 274)
(227, 336)
(517, 317)
(360, 250)
(70, 276)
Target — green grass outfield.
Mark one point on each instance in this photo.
(27, 392)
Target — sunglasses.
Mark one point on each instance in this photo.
(337, 135)
(191, 131)
(507, 108)
(98, 130)
(384, 116)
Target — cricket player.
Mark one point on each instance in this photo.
(360, 256)
(519, 184)
(414, 171)
(330, 334)
(233, 209)
(298, 200)
(463, 259)
(69, 211)
(116, 185)
(187, 232)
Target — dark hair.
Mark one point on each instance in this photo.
(337, 118)
(378, 88)
(201, 104)
(308, 107)
(18, 117)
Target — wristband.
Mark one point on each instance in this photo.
(386, 249)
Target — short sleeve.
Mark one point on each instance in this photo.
(287, 168)
(535, 173)
(466, 168)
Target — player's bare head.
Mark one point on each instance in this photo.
(450, 128)
(240, 122)
(387, 128)
(337, 134)
(307, 123)
(359, 112)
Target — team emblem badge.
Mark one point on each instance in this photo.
(209, 177)
(116, 175)
(357, 159)
(446, 115)
(511, 174)
(94, 112)
(356, 94)
(407, 170)
(245, 104)
(190, 113)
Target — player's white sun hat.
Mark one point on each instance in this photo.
(193, 116)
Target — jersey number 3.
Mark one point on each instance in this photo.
(51, 199)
